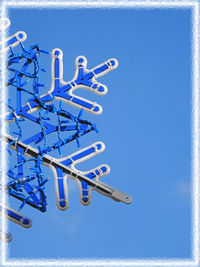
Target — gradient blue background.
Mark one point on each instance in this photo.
(145, 125)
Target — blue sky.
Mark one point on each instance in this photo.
(145, 125)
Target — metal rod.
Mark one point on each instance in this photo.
(51, 161)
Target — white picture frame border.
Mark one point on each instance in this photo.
(162, 4)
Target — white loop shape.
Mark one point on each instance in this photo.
(4, 23)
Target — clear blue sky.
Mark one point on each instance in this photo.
(145, 125)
